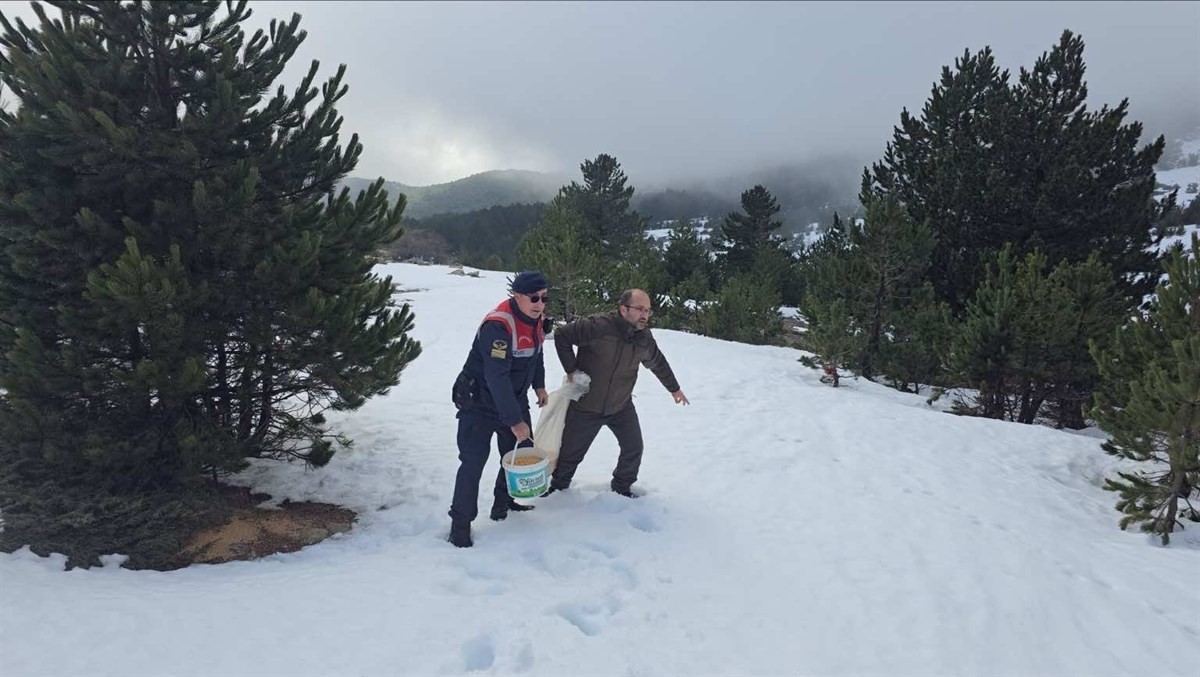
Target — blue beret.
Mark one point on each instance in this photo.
(529, 281)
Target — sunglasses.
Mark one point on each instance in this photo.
(534, 298)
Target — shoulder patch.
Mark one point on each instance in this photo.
(498, 348)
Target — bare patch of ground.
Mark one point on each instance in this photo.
(794, 333)
(250, 532)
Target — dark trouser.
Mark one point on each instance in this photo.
(474, 442)
(580, 431)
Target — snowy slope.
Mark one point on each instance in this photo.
(1181, 178)
(787, 528)
(1184, 239)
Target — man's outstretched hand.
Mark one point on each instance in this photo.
(680, 398)
(542, 396)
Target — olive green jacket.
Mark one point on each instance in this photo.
(610, 351)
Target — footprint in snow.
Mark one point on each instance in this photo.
(589, 560)
(478, 654)
(523, 661)
(588, 617)
(476, 579)
(645, 522)
(602, 548)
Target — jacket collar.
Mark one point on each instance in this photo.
(516, 312)
(627, 330)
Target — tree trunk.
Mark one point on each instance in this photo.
(993, 399)
(1031, 403)
(872, 347)
(136, 353)
(222, 405)
(264, 407)
(1167, 525)
(246, 395)
(1070, 414)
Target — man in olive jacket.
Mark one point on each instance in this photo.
(611, 347)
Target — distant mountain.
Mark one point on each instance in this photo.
(479, 191)
(807, 193)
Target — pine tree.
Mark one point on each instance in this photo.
(679, 309)
(1041, 335)
(1023, 341)
(744, 233)
(640, 267)
(1150, 402)
(941, 167)
(1079, 183)
(685, 254)
(1096, 309)
(603, 203)
(894, 256)
(982, 350)
(744, 310)
(573, 266)
(989, 163)
(777, 269)
(181, 287)
(919, 340)
(873, 270)
(1013, 332)
(833, 334)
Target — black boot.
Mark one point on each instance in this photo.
(460, 534)
(627, 493)
(501, 507)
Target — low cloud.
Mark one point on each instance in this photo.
(688, 90)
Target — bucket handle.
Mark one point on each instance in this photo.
(526, 443)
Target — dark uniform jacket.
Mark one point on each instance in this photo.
(610, 351)
(504, 361)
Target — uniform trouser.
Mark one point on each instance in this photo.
(580, 431)
(474, 442)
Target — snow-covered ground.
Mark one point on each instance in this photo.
(1182, 178)
(1184, 239)
(786, 528)
(699, 225)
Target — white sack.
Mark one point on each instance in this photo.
(553, 417)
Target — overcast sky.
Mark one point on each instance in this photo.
(678, 90)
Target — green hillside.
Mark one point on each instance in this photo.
(479, 191)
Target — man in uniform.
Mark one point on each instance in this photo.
(491, 393)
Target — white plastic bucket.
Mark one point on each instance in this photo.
(526, 481)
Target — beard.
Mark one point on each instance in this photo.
(637, 322)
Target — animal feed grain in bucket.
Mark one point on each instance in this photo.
(526, 472)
